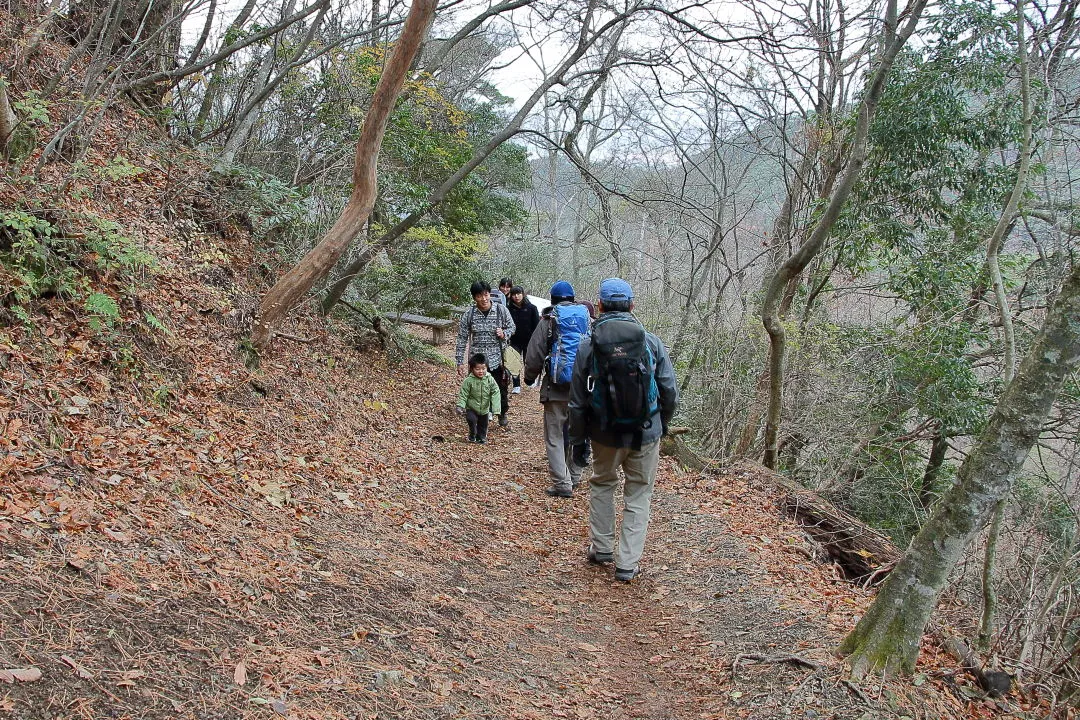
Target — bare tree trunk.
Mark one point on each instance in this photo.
(172, 76)
(781, 237)
(576, 243)
(997, 239)
(553, 188)
(586, 39)
(249, 112)
(753, 415)
(8, 119)
(699, 274)
(989, 591)
(104, 50)
(32, 45)
(892, 42)
(79, 51)
(938, 447)
(887, 637)
(214, 82)
(244, 121)
(319, 261)
(208, 25)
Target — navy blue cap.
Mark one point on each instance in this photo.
(562, 289)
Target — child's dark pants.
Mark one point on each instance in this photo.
(478, 425)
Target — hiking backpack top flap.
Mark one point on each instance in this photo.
(622, 379)
(569, 324)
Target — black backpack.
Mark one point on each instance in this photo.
(622, 379)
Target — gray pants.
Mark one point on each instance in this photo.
(564, 474)
(639, 467)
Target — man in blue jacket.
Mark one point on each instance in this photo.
(623, 394)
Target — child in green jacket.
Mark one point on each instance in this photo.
(478, 398)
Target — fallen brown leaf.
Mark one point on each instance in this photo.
(29, 674)
(79, 669)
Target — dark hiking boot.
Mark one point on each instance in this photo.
(599, 558)
(503, 420)
(623, 575)
(558, 492)
(482, 440)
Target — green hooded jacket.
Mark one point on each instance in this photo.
(481, 395)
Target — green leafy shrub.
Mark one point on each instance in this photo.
(120, 169)
(33, 252)
(275, 208)
(103, 310)
(41, 260)
(33, 113)
(113, 251)
(431, 269)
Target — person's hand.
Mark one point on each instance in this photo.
(500, 334)
(461, 370)
(580, 454)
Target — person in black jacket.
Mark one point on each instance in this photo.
(526, 318)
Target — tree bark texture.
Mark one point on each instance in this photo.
(8, 119)
(887, 638)
(149, 28)
(938, 448)
(892, 42)
(318, 262)
(989, 590)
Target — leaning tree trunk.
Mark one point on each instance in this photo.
(586, 39)
(318, 262)
(781, 237)
(887, 637)
(892, 42)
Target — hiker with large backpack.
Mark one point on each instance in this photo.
(623, 395)
(486, 328)
(551, 352)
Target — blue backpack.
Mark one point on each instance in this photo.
(569, 323)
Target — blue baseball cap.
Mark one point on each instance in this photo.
(562, 289)
(614, 290)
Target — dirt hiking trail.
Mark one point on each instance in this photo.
(320, 541)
